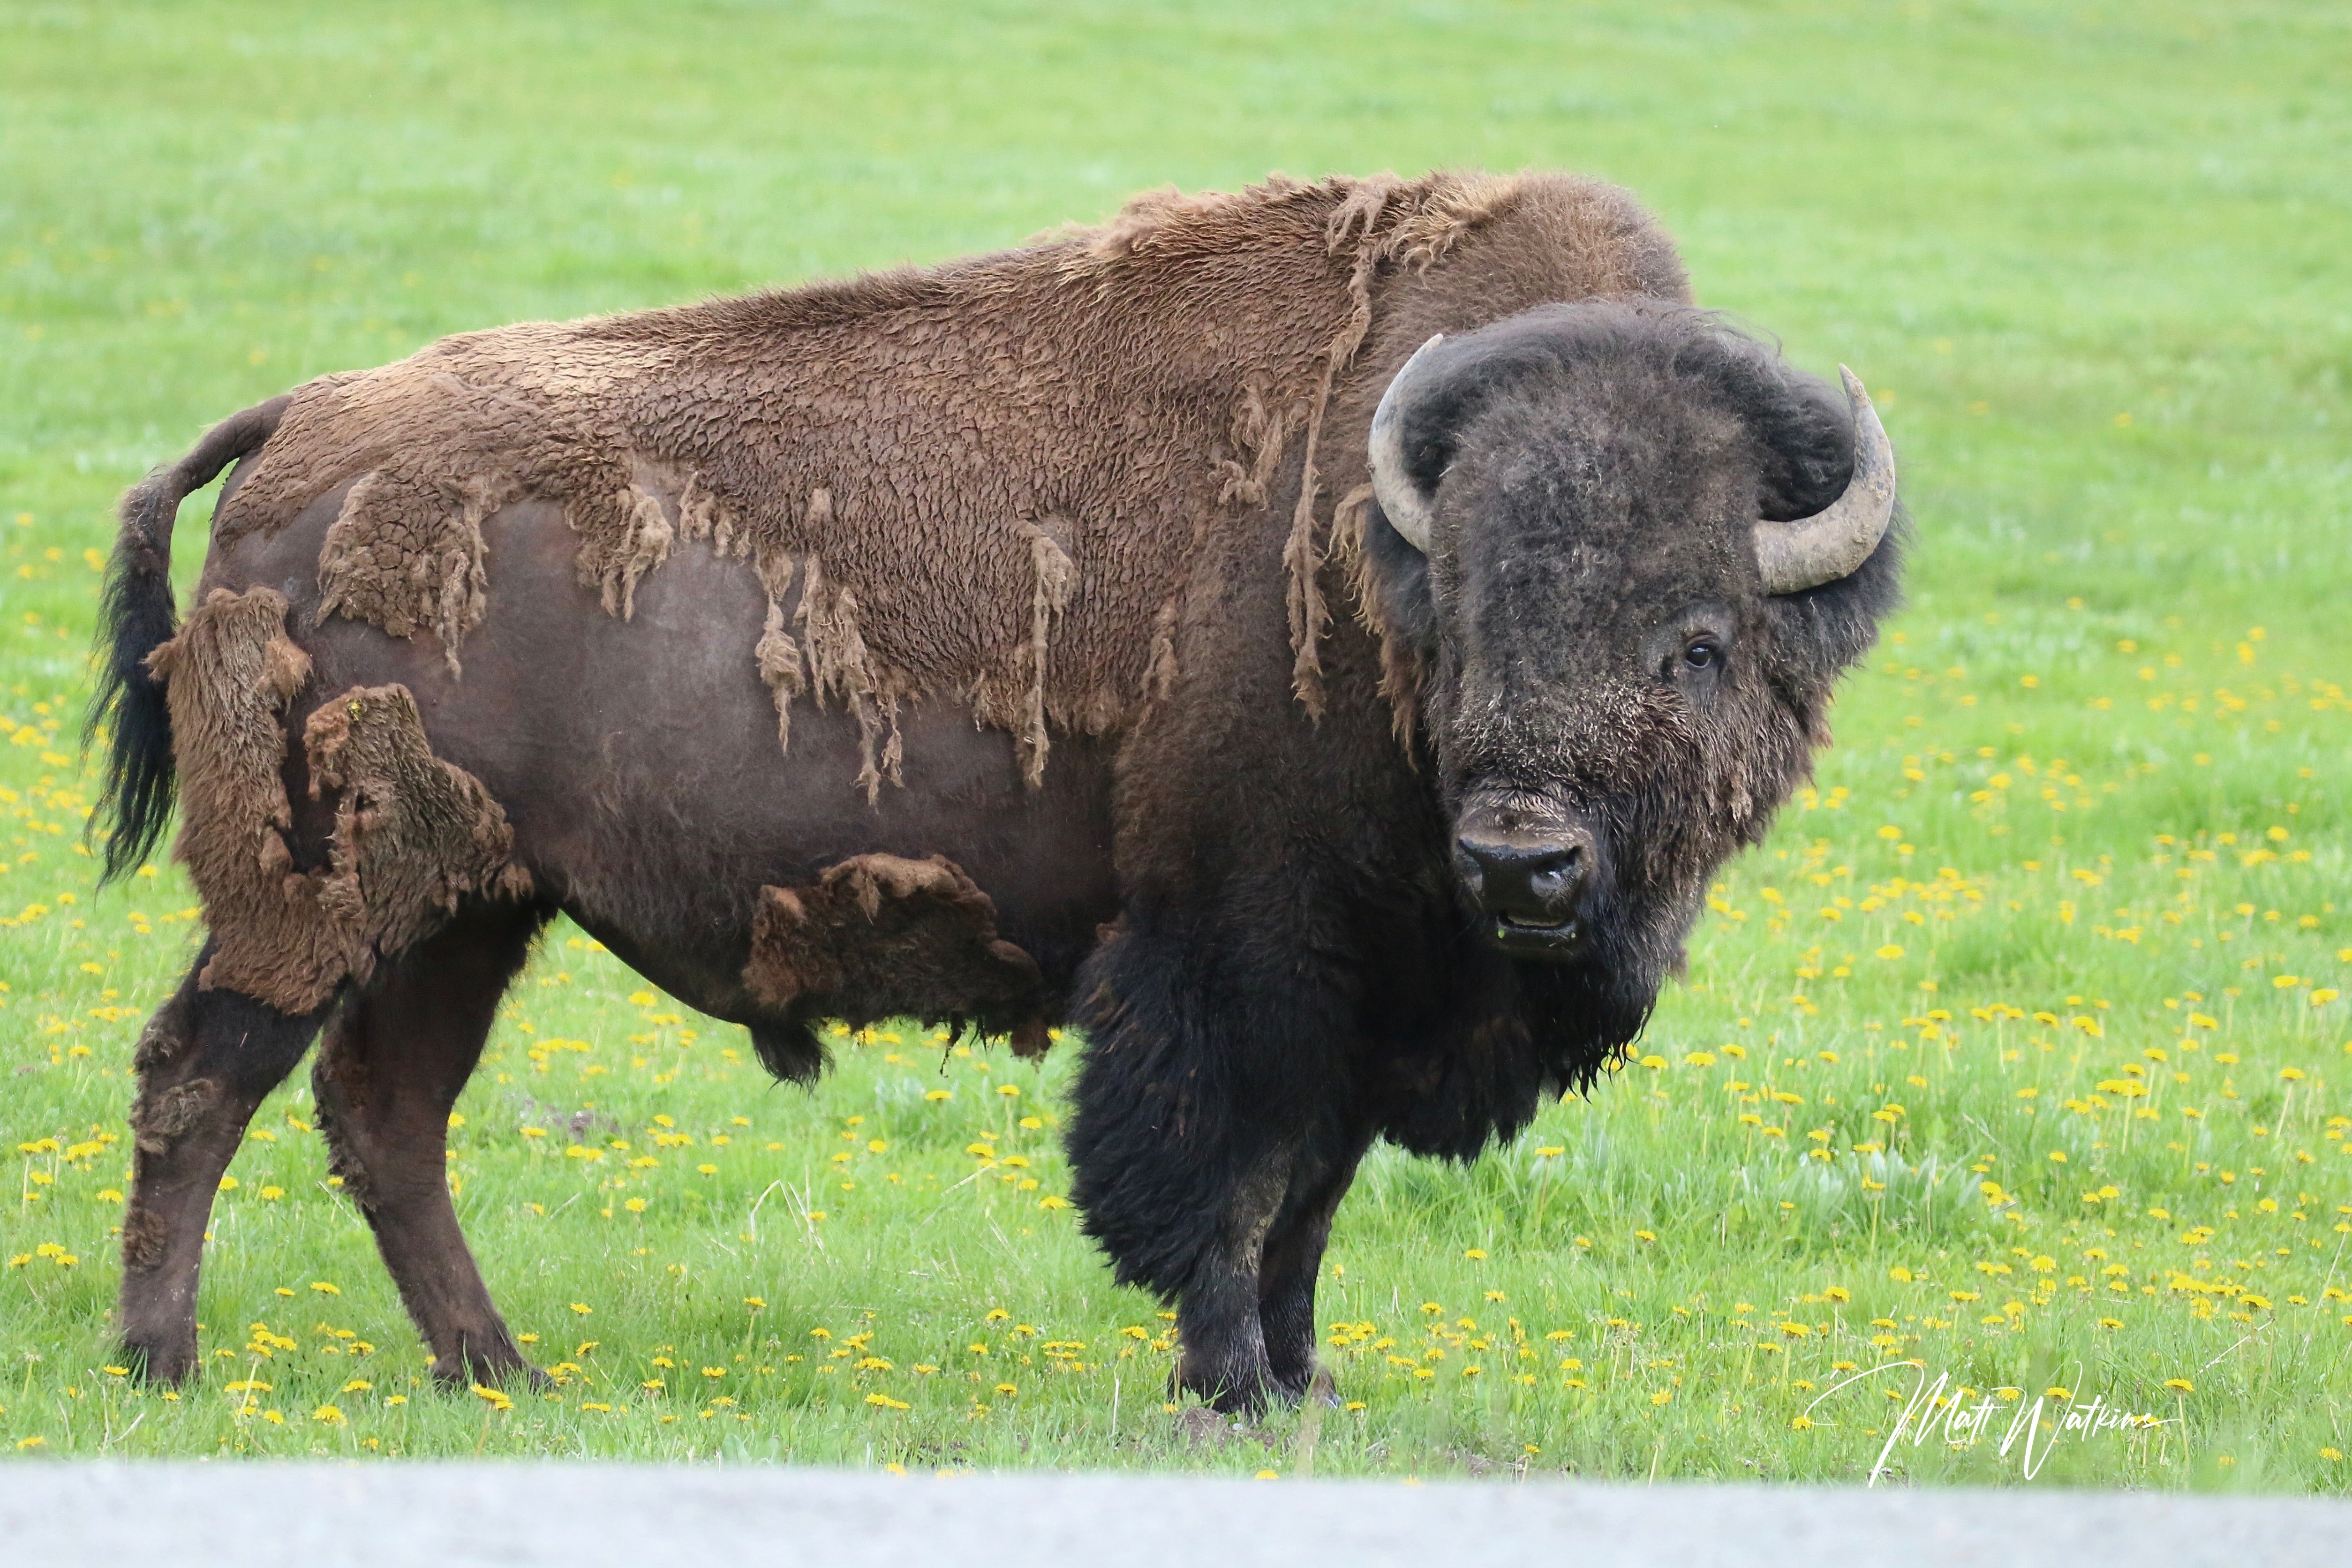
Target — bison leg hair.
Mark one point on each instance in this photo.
(393, 1063)
(1208, 1152)
(1293, 1258)
(205, 1060)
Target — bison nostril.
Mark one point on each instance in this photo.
(1555, 873)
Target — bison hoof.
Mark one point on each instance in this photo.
(160, 1366)
(461, 1373)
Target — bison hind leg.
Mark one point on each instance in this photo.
(205, 1062)
(393, 1063)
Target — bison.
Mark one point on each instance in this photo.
(1318, 640)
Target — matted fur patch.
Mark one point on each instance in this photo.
(880, 937)
(413, 834)
(228, 677)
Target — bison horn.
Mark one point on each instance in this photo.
(1807, 551)
(1408, 510)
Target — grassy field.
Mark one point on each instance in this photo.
(2018, 1052)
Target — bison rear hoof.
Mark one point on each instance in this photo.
(460, 1373)
(161, 1366)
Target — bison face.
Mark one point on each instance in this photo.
(1629, 552)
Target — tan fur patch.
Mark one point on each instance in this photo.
(157, 1119)
(840, 666)
(229, 676)
(413, 834)
(405, 552)
(880, 936)
(910, 431)
(1400, 665)
(145, 1238)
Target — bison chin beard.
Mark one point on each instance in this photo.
(1596, 1004)
(1546, 1028)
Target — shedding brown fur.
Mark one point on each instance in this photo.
(228, 677)
(412, 833)
(880, 936)
(339, 1076)
(966, 461)
(156, 1118)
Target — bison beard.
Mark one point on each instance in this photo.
(1060, 546)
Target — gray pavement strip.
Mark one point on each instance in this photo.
(263, 1513)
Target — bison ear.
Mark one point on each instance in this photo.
(1802, 429)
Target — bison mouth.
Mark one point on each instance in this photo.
(1521, 936)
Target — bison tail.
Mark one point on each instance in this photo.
(135, 618)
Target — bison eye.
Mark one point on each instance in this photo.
(1702, 653)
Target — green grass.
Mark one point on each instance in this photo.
(2090, 258)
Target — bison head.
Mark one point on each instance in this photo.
(1628, 551)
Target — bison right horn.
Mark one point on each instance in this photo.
(1408, 510)
(1808, 551)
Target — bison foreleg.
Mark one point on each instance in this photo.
(1222, 1351)
(1208, 1157)
(391, 1066)
(205, 1060)
(1293, 1258)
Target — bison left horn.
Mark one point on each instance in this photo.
(1807, 551)
(1408, 510)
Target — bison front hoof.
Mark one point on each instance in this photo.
(162, 1366)
(459, 1374)
(1245, 1395)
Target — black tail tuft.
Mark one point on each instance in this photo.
(135, 619)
